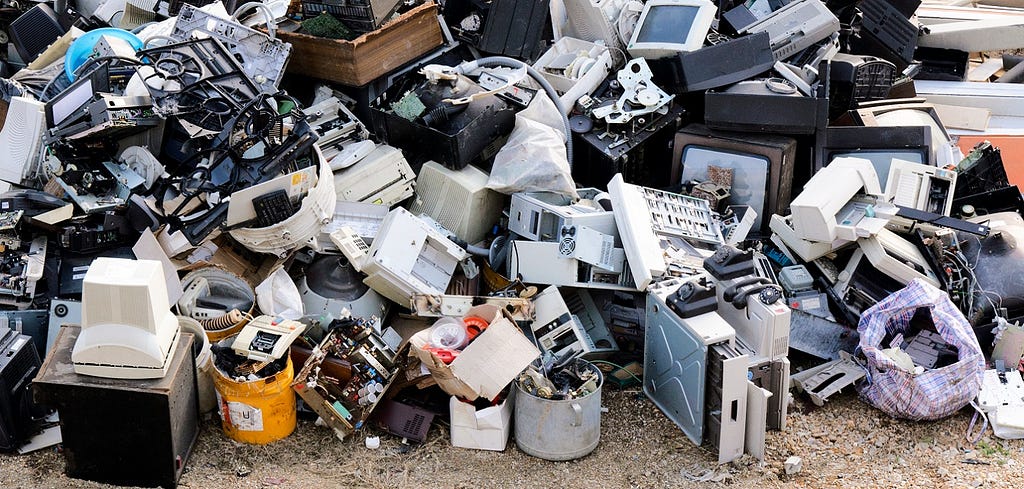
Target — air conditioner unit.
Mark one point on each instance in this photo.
(21, 138)
(459, 200)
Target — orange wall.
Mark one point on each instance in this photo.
(1010, 147)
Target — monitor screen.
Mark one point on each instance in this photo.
(668, 24)
(912, 117)
(71, 101)
(749, 177)
(881, 159)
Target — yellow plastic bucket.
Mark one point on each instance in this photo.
(259, 411)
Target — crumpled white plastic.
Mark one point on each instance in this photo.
(277, 295)
(534, 157)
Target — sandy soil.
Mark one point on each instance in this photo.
(844, 444)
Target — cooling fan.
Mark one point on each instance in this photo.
(197, 80)
(567, 245)
(170, 70)
(211, 103)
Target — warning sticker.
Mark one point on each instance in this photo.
(240, 415)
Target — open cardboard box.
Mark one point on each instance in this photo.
(490, 362)
(481, 429)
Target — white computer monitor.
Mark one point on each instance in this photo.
(128, 329)
(668, 27)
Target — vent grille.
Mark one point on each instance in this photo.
(781, 347)
(413, 426)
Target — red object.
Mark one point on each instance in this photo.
(474, 326)
(447, 356)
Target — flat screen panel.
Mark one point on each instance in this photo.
(72, 101)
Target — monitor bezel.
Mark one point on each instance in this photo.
(702, 21)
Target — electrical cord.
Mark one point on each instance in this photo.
(142, 27)
(159, 37)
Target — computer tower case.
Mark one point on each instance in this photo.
(642, 153)
(19, 363)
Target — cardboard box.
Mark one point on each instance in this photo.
(487, 365)
(369, 56)
(484, 429)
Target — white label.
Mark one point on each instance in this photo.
(240, 415)
(811, 303)
(18, 343)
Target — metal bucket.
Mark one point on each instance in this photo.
(558, 430)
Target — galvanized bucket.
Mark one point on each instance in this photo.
(558, 430)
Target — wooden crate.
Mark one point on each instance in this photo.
(369, 56)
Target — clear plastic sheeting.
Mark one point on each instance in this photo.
(534, 158)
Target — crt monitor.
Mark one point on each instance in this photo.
(879, 145)
(749, 177)
(668, 27)
(910, 112)
(762, 167)
(882, 159)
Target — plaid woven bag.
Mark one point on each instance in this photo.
(936, 393)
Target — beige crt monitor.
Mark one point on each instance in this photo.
(128, 329)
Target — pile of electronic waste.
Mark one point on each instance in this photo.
(702, 197)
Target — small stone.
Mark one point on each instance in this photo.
(793, 465)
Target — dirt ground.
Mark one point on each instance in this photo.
(844, 444)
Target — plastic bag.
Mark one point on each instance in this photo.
(534, 157)
(935, 393)
(279, 296)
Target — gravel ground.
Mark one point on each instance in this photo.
(844, 444)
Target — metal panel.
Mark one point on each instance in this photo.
(726, 388)
(675, 361)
